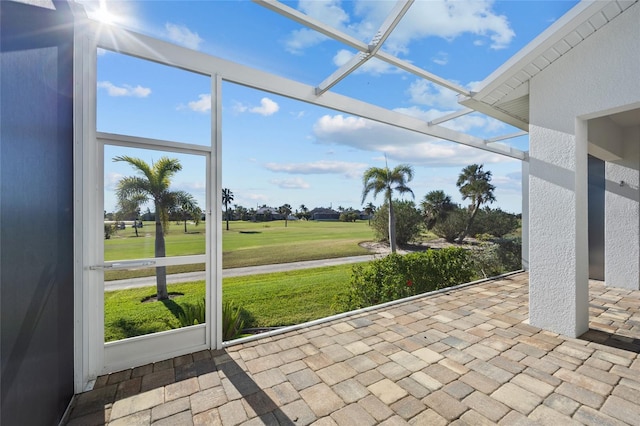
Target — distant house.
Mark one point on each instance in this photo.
(265, 214)
(321, 213)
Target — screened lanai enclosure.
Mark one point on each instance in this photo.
(564, 111)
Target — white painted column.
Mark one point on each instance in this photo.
(622, 215)
(558, 257)
(582, 227)
(525, 215)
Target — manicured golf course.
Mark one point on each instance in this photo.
(266, 299)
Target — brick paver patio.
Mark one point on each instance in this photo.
(462, 357)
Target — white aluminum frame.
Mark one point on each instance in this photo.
(92, 356)
(89, 36)
(399, 10)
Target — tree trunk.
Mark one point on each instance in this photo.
(227, 214)
(160, 251)
(392, 227)
(467, 229)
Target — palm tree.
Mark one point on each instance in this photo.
(285, 210)
(369, 209)
(304, 210)
(131, 208)
(187, 207)
(436, 205)
(377, 180)
(227, 198)
(473, 182)
(153, 186)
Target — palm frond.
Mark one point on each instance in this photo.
(133, 187)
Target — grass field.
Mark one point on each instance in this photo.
(267, 300)
(245, 244)
(263, 243)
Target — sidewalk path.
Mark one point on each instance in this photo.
(236, 272)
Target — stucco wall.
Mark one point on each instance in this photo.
(622, 215)
(597, 77)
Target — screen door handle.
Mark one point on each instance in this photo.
(123, 265)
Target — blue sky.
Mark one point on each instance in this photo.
(277, 150)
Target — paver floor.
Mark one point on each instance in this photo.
(466, 356)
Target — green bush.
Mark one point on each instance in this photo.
(109, 230)
(451, 227)
(395, 276)
(497, 256)
(408, 222)
(494, 222)
(232, 322)
(192, 314)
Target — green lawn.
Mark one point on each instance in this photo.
(264, 243)
(125, 245)
(267, 300)
(287, 298)
(244, 244)
(125, 315)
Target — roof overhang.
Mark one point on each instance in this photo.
(504, 95)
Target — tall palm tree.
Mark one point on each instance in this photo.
(227, 198)
(153, 185)
(473, 182)
(187, 207)
(436, 206)
(377, 180)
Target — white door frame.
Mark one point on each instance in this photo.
(92, 356)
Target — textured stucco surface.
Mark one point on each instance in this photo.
(596, 78)
(553, 260)
(622, 215)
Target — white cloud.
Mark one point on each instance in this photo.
(111, 180)
(399, 144)
(508, 182)
(182, 35)
(203, 104)
(424, 92)
(319, 167)
(433, 18)
(449, 20)
(292, 183)
(303, 38)
(442, 58)
(328, 12)
(372, 66)
(256, 198)
(124, 90)
(267, 107)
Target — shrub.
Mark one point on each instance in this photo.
(394, 277)
(451, 227)
(408, 222)
(497, 256)
(192, 314)
(349, 216)
(108, 231)
(232, 322)
(494, 222)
